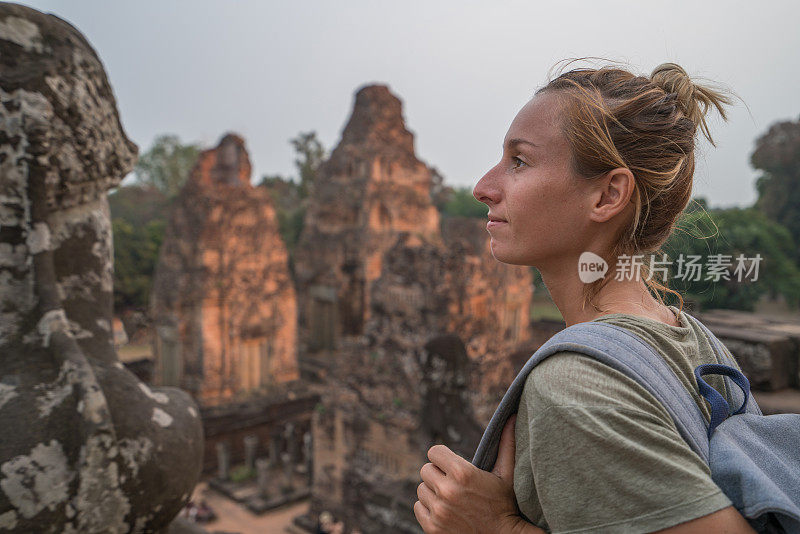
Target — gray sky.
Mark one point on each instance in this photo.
(269, 70)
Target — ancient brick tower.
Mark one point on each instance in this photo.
(371, 188)
(409, 321)
(223, 302)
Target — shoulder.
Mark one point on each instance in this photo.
(594, 441)
(574, 379)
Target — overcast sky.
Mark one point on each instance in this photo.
(269, 70)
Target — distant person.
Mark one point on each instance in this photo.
(600, 161)
(325, 523)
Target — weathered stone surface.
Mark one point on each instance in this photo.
(264, 416)
(410, 321)
(223, 303)
(370, 188)
(781, 401)
(768, 350)
(86, 446)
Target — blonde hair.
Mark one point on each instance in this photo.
(613, 119)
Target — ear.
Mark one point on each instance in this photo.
(611, 194)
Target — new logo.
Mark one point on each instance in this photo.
(591, 267)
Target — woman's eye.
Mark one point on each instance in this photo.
(517, 162)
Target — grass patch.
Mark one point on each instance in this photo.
(241, 473)
(544, 309)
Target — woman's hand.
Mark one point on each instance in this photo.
(457, 497)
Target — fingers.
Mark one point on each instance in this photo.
(432, 476)
(445, 459)
(423, 516)
(425, 495)
(451, 464)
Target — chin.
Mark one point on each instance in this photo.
(508, 258)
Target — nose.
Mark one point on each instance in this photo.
(487, 190)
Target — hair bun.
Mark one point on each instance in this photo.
(694, 100)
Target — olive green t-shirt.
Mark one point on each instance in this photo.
(596, 452)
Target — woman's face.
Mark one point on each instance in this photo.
(534, 190)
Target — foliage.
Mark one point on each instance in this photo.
(697, 204)
(138, 204)
(289, 207)
(240, 473)
(440, 193)
(461, 203)
(731, 232)
(167, 164)
(138, 221)
(290, 196)
(777, 155)
(290, 224)
(310, 155)
(135, 256)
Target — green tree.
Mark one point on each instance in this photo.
(167, 164)
(777, 155)
(290, 196)
(138, 215)
(309, 156)
(135, 256)
(461, 203)
(440, 192)
(697, 204)
(289, 207)
(138, 204)
(731, 232)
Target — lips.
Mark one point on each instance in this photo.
(495, 221)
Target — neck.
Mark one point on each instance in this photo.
(616, 296)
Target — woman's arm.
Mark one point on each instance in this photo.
(456, 496)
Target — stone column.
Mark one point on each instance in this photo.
(274, 449)
(250, 445)
(291, 442)
(223, 460)
(308, 452)
(262, 470)
(288, 472)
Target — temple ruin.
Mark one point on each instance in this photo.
(397, 329)
(223, 303)
(224, 317)
(408, 321)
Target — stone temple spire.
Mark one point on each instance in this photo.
(371, 189)
(377, 122)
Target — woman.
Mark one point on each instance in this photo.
(600, 161)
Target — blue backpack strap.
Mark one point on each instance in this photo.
(749, 402)
(720, 410)
(622, 350)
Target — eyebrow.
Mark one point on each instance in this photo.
(516, 141)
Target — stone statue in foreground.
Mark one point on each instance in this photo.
(84, 445)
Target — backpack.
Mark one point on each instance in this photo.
(753, 458)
